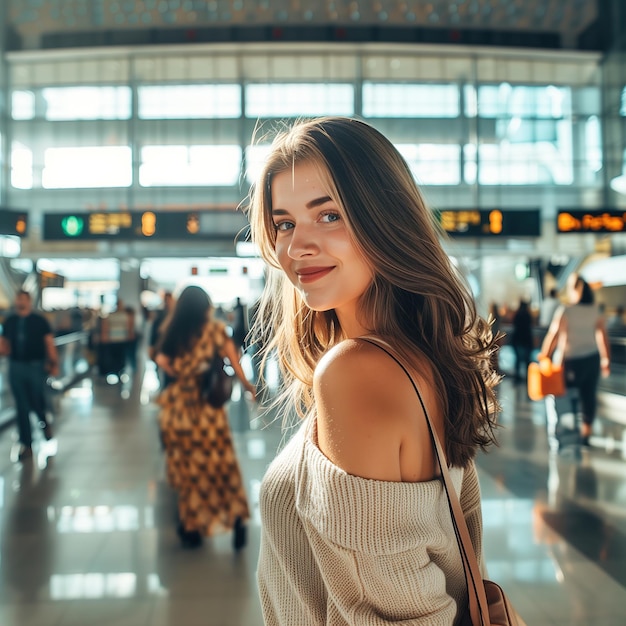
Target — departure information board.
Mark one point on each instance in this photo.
(13, 222)
(491, 222)
(50, 279)
(144, 225)
(595, 221)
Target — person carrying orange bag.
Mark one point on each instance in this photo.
(578, 333)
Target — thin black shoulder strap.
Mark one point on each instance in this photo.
(476, 591)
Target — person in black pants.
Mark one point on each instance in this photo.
(28, 342)
(240, 324)
(522, 340)
(578, 333)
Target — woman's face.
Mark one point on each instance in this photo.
(313, 245)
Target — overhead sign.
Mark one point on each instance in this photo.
(13, 222)
(595, 221)
(491, 222)
(152, 224)
(50, 279)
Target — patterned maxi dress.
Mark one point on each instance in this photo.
(201, 461)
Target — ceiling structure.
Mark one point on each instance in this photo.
(53, 23)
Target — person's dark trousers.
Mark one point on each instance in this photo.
(131, 353)
(522, 360)
(584, 374)
(27, 380)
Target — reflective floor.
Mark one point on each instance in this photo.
(87, 527)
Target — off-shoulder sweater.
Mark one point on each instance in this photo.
(338, 549)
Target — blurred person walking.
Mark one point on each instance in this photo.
(135, 337)
(522, 340)
(578, 336)
(28, 341)
(201, 461)
(240, 324)
(117, 331)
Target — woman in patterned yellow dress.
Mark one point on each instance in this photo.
(201, 461)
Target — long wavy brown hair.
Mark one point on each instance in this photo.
(417, 301)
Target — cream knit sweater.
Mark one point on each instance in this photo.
(338, 549)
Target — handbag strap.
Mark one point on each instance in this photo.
(478, 606)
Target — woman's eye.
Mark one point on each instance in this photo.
(330, 217)
(283, 225)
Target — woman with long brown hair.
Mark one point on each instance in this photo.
(355, 522)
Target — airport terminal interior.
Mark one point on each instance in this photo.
(130, 133)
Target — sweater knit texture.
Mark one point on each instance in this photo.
(338, 549)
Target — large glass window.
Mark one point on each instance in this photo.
(506, 163)
(410, 100)
(433, 164)
(506, 100)
(255, 158)
(163, 166)
(593, 144)
(525, 136)
(456, 121)
(22, 105)
(189, 101)
(97, 166)
(87, 103)
(21, 166)
(295, 99)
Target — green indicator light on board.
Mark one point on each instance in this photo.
(72, 226)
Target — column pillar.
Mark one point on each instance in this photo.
(130, 283)
(5, 150)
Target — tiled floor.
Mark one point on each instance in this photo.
(88, 539)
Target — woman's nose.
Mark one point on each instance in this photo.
(303, 242)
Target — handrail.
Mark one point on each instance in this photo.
(62, 340)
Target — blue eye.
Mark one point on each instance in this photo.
(331, 216)
(283, 225)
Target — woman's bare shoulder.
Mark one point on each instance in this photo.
(363, 401)
(353, 353)
(357, 361)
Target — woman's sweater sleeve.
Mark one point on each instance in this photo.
(383, 548)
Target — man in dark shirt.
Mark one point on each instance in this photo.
(28, 342)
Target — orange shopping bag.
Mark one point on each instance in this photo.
(544, 379)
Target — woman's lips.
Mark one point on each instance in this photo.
(311, 274)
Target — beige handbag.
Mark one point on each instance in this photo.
(488, 604)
